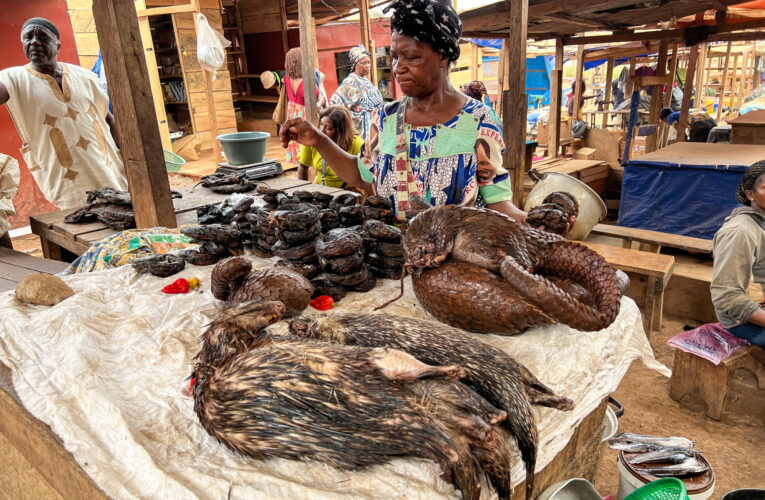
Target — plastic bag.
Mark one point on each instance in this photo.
(578, 129)
(710, 341)
(210, 46)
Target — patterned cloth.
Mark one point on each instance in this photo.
(451, 162)
(118, 249)
(434, 22)
(356, 54)
(361, 98)
(475, 89)
(67, 144)
(296, 108)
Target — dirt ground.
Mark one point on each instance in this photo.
(733, 448)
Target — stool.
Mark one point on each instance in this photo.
(694, 375)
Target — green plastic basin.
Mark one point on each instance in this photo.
(173, 162)
(243, 148)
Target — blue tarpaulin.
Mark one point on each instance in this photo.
(685, 188)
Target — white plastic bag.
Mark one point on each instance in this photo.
(210, 46)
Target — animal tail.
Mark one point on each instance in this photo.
(494, 457)
(581, 265)
(227, 275)
(541, 395)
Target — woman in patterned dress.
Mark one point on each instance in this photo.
(357, 93)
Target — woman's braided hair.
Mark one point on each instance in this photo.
(747, 183)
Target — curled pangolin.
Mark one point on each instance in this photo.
(481, 270)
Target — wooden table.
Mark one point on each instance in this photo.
(656, 268)
(64, 242)
(15, 266)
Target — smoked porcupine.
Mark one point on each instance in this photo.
(496, 376)
(349, 407)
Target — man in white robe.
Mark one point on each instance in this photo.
(68, 134)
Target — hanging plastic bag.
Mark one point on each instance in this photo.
(210, 46)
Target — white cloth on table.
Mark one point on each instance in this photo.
(106, 369)
(9, 187)
(67, 144)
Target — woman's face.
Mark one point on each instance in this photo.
(364, 66)
(328, 128)
(757, 194)
(416, 66)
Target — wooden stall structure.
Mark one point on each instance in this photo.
(632, 21)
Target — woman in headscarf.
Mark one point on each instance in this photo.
(739, 251)
(357, 93)
(293, 85)
(424, 145)
(477, 90)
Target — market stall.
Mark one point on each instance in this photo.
(685, 188)
(106, 370)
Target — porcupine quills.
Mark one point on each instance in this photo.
(496, 376)
(347, 406)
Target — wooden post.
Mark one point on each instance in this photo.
(609, 83)
(671, 78)
(474, 61)
(283, 19)
(741, 86)
(130, 91)
(553, 120)
(308, 48)
(687, 90)
(734, 79)
(723, 83)
(579, 81)
(656, 97)
(702, 74)
(630, 78)
(755, 72)
(515, 102)
(501, 80)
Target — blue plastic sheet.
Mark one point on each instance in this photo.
(689, 200)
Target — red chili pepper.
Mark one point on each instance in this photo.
(178, 286)
(191, 384)
(322, 303)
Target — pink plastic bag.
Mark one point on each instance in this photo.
(710, 341)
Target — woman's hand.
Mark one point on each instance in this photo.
(300, 131)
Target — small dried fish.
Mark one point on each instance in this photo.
(629, 442)
(688, 467)
(664, 455)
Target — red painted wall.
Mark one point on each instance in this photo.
(29, 200)
(264, 50)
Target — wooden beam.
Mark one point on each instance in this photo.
(701, 75)
(609, 85)
(474, 61)
(671, 77)
(687, 91)
(502, 75)
(515, 102)
(733, 81)
(308, 48)
(630, 78)
(120, 41)
(755, 72)
(579, 81)
(285, 27)
(656, 96)
(744, 36)
(175, 9)
(741, 87)
(556, 91)
(723, 83)
(364, 22)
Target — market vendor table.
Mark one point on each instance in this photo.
(687, 188)
(63, 241)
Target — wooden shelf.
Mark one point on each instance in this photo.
(249, 75)
(171, 77)
(176, 102)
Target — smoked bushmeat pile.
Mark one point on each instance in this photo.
(339, 243)
(348, 406)
(109, 206)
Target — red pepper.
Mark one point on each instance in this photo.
(178, 286)
(322, 303)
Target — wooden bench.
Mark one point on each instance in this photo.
(655, 267)
(652, 241)
(695, 376)
(15, 266)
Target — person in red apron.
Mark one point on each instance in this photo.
(427, 143)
